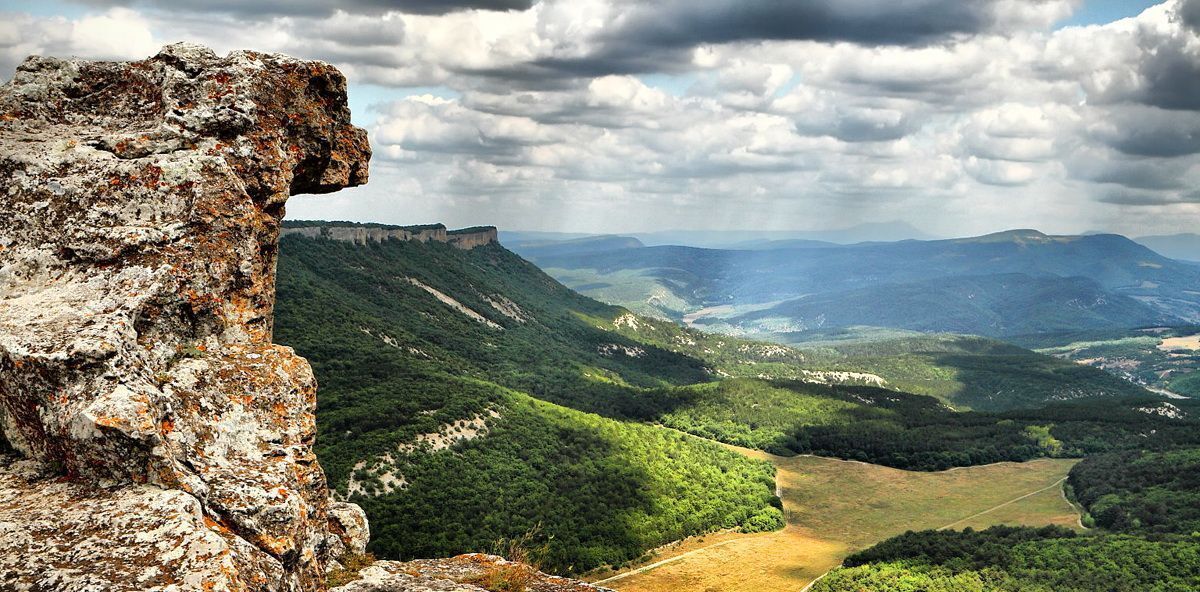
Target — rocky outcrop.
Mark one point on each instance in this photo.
(361, 234)
(160, 440)
(469, 238)
(474, 572)
(153, 438)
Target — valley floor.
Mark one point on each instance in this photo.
(835, 507)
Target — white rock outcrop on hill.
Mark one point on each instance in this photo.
(361, 234)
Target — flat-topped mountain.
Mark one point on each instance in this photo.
(362, 233)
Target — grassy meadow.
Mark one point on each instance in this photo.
(836, 507)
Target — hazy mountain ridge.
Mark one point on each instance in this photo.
(1185, 246)
(737, 239)
(674, 280)
(994, 305)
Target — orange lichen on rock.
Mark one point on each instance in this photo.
(139, 207)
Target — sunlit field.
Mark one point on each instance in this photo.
(835, 507)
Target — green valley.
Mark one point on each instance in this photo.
(423, 419)
(467, 398)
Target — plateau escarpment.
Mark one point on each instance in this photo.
(361, 234)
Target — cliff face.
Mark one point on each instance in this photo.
(469, 238)
(361, 234)
(160, 438)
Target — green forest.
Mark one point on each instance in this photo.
(395, 364)
(1143, 507)
(1141, 491)
(1010, 559)
(467, 397)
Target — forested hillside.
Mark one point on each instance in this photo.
(423, 422)
(1141, 503)
(1141, 491)
(963, 371)
(469, 397)
(1005, 559)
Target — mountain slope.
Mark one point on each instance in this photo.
(411, 342)
(467, 397)
(993, 305)
(697, 278)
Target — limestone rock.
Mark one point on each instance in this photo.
(348, 523)
(464, 573)
(167, 441)
(361, 234)
(153, 436)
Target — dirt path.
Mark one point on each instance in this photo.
(1007, 503)
(647, 568)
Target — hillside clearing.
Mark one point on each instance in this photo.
(1191, 342)
(835, 507)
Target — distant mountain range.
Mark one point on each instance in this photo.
(1001, 284)
(736, 239)
(1185, 247)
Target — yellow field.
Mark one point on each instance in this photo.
(1172, 343)
(835, 507)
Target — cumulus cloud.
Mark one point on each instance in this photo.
(270, 8)
(667, 27)
(1143, 131)
(114, 34)
(1189, 13)
(955, 115)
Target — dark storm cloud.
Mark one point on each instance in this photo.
(1189, 12)
(273, 8)
(648, 34)
(1172, 75)
(676, 23)
(1170, 69)
(1143, 131)
(1125, 197)
(1150, 174)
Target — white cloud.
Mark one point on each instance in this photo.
(1003, 123)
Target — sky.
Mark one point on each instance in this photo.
(955, 116)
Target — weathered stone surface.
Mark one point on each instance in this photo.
(469, 238)
(63, 535)
(153, 436)
(140, 205)
(464, 573)
(361, 234)
(348, 523)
